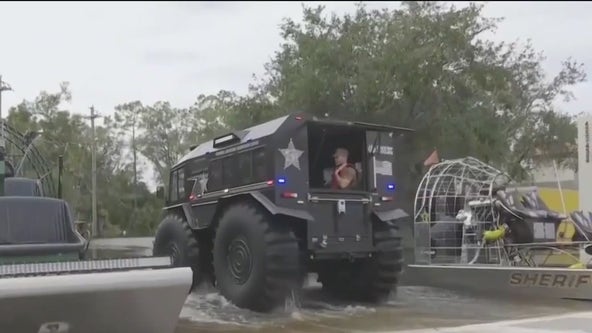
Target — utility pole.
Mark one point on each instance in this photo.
(3, 87)
(135, 170)
(93, 115)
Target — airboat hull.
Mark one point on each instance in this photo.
(142, 301)
(535, 282)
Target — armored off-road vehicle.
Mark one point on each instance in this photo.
(253, 211)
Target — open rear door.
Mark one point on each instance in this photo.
(380, 163)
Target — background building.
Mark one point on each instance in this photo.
(575, 185)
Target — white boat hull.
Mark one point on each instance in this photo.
(560, 283)
(135, 301)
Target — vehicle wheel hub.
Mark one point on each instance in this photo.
(239, 260)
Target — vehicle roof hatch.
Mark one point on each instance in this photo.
(229, 139)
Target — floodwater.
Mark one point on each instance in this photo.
(412, 307)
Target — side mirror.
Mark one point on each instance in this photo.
(588, 249)
(160, 192)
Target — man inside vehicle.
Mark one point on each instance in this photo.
(345, 174)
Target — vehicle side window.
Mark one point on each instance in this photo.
(181, 183)
(230, 172)
(199, 186)
(173, 195)
(215, 176)
(245, 167)
(196, 188)
(195, 167)
(241, 169)
(259, 165)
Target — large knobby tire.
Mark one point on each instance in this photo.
(174, 238)
(369, 280)
(256, 259)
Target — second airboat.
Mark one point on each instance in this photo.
(476, 232)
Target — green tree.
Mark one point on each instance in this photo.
(66, 134)
(126, 121)
(209, 116)
(424, 66)
(164, 136)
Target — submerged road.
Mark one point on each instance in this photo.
(412, 308)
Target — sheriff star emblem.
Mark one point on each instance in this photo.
(291, 155)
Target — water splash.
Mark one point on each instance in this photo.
(206, 307)
(206, 311)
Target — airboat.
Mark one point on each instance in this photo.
(476, 230)
(47, 284)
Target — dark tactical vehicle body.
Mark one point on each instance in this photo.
(253, 210)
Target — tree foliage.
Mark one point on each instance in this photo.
(425, 65)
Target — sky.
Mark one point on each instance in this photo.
(115, 52)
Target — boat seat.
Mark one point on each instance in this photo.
(37, 225)
(523, 212)
(17, 186)
(532, 200)
(584, 222)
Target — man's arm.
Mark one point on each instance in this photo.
(348, 176)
